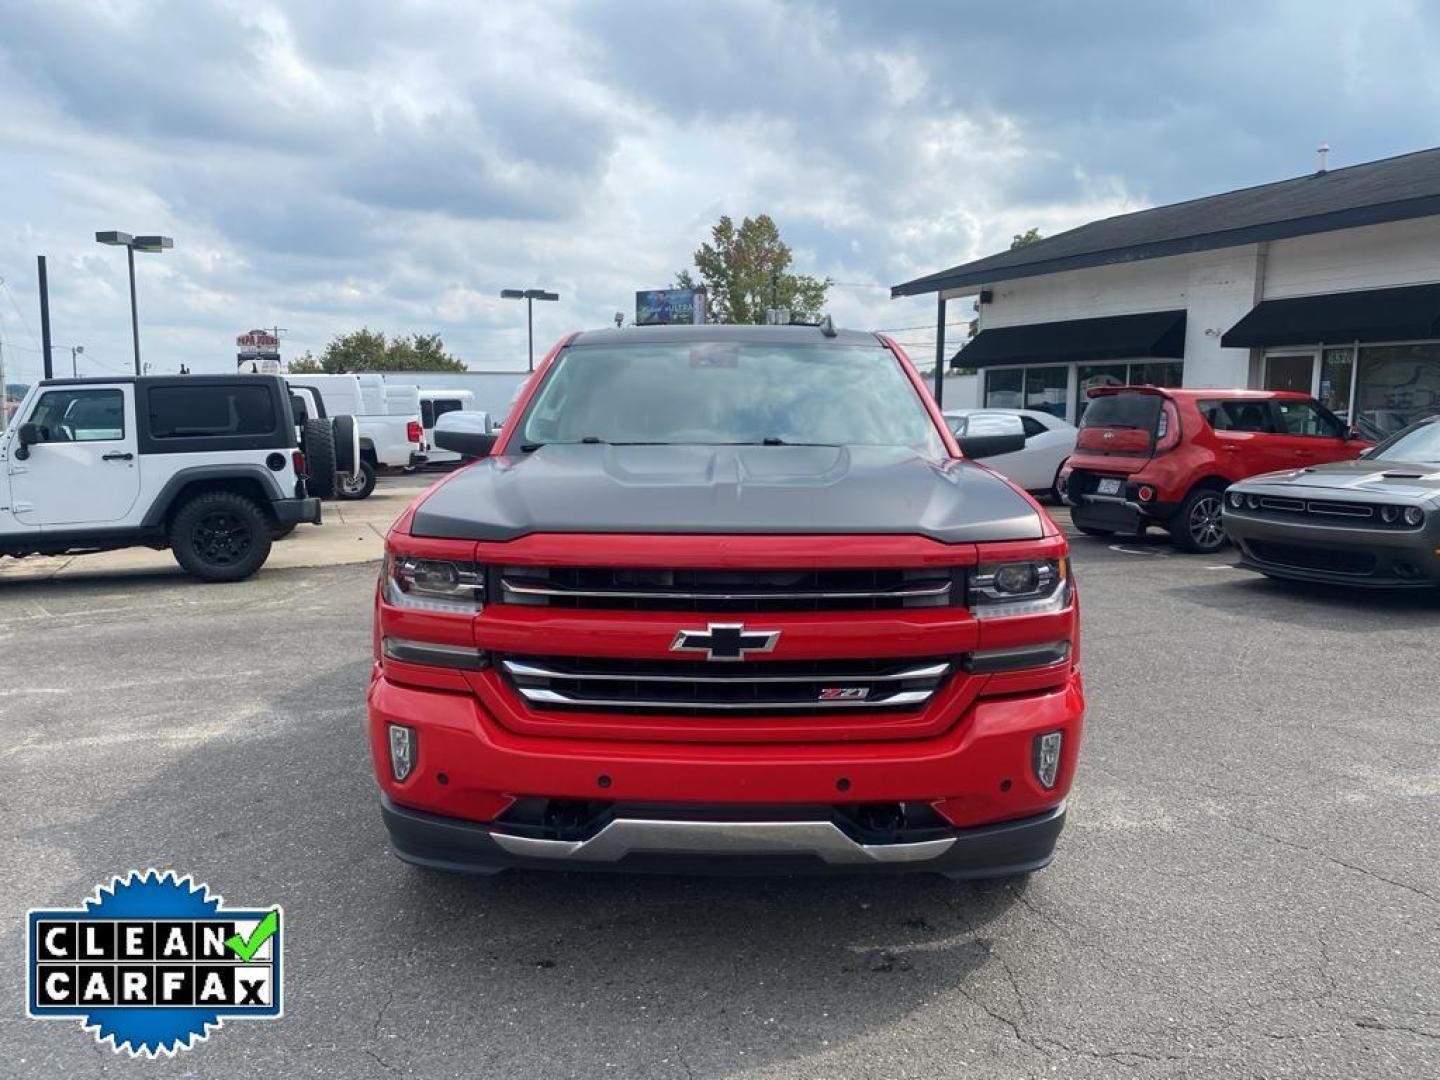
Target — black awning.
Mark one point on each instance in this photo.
(1118, 337)
(1403, 314)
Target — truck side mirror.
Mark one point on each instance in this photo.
(992, 435)
(26, 436)
(466, 433)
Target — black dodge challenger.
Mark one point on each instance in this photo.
(1373, 521)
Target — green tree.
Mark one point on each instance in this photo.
(305, 365)
(745, 270)
(370, 350)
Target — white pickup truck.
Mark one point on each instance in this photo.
(387, 417)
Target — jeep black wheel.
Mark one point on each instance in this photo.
(220, 536)
(358, 486)
(318, 441)
(1197, 527)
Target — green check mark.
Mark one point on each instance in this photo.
(244, 948)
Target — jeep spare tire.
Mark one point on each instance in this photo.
(220, 536)
(347, 444)
(318, 442)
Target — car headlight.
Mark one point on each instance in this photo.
(434, 584)
(1252, 501)
(1026, 587)
(1414, 515)
(1235, 499)
(1390, 514)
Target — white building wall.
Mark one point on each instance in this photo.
(1217, 289)
(1373, 257)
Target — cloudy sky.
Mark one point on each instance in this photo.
(328, 164)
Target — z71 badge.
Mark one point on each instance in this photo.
(844, 693)
(153, 962)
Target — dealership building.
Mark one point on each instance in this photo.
(1327, 283)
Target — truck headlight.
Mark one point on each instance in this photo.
(1023, 587)
(434, 584)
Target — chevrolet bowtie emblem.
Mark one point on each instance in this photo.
(725, 641)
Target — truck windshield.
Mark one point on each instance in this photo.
(722, 393)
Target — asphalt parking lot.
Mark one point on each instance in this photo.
(1249, 885)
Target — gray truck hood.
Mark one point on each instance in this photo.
(725, 489)
(1396, 479)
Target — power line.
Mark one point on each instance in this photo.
(18, 312)
(928, 326)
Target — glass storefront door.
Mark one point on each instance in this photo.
(1290, 371)
(1337, 373)
(1395, 386)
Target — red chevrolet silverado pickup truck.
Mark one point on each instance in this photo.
(725, 599)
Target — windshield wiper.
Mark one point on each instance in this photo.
(775, 440)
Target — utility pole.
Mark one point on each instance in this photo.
(4, 394)
(940, 350)
(44, 316)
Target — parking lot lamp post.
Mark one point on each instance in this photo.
(529, 296)
(132, 244)
(74, 349)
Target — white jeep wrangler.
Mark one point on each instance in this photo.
(206, 465)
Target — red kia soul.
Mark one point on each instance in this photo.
(1151, 456)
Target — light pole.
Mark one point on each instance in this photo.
(529, 296)
(132, 244)
(74, 349)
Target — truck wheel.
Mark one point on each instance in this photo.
(347, 444)
(360, 485)
(318, 442)
(220, 536)
(1197, 526)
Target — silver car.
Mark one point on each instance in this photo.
(1373, 521)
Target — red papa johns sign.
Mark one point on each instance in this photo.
(258, 341)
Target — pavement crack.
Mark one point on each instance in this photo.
(1380, 1025)
(1337, 861)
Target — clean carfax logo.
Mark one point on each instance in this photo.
(153, 962)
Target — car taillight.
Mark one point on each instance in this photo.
(413, 431)
(298, 460)
(1167, 429)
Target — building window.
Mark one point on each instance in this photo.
(1141, 373)
(1395, 386)
(1337, 373)
(1039, 388)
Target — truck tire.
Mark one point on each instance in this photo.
(318, 441)
(1196, 526)
(220, 536)
(360, 485)
(347, 444)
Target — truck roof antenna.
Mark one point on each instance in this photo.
(827, 326)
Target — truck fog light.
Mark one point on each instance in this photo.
(1237, 500)
(1414, 515)
(1046, 758)
(402, 751)
(1146, 493)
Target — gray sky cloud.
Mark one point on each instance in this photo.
(330, 164)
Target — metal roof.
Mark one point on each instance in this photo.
(1392, 189)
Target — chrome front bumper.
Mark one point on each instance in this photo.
(644, 844)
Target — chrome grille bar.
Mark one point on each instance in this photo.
(941, 589)
(526, 670)
(554, 697)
